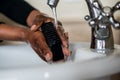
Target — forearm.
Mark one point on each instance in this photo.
(17, 10)
(13, 33)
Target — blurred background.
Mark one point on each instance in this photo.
(71, 13)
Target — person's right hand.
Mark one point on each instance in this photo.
(38, 43)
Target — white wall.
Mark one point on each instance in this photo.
(71, 13)
(68, 9)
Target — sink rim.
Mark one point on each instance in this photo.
(51, 70)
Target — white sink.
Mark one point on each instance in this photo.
(19, 62)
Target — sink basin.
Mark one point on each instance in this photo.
(19, 62)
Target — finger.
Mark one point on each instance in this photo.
(66, 35)
(66, 51)
(38, 51)
(39, 21)
(41, 47)
(59, 23)
(35, 27)
(67, 38)
(49, 19)
(65, 44)
(62, 37)
(44, 47)
(45, 54)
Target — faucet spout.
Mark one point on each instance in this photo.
(101, 19)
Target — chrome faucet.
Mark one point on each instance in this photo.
(53, 5)
(101, 19)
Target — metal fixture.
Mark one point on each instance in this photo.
(101, 19)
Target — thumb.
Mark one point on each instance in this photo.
(35, 27)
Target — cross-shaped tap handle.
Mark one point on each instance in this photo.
(115, 23)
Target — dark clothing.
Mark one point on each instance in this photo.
(17, 10)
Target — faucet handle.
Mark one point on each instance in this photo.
(92, 22)
(116, 7)
(87, 17)
(115, 23)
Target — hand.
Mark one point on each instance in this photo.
(40, 45)
(37, 42)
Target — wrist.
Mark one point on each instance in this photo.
(24, 34)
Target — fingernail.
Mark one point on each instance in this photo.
(48, 57)
(33, 27)
(65, 46)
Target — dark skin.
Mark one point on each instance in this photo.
(33, 35)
